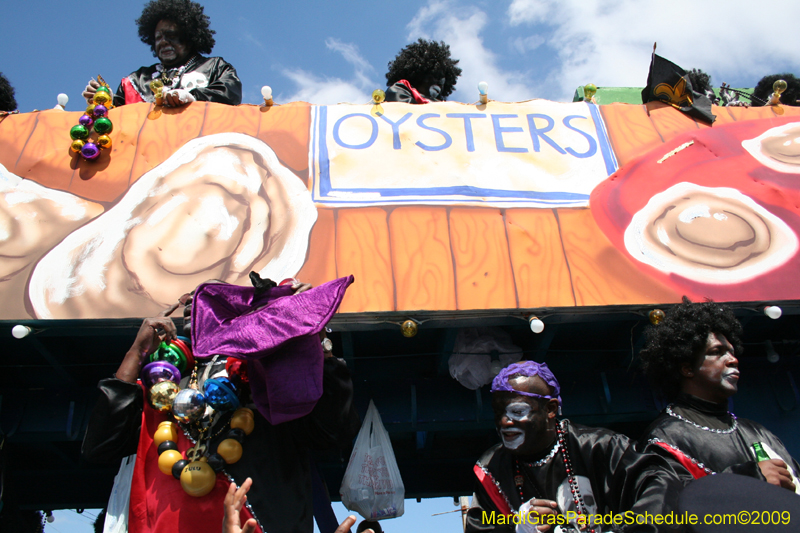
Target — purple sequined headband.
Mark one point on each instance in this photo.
(527, 368)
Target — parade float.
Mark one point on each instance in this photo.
(566, 228)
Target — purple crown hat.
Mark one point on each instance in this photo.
(527, 368)
(277, 332)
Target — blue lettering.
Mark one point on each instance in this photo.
(592, 143)
(367, 144)
(537, 132)
(396, 129)
(467, 126)
(498, 134)
(447, 139)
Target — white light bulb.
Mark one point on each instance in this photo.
(266, 92)
(773, 311)
(50, 518)
(483, 88)
(20, 332)
(537, 326)
(63, 99)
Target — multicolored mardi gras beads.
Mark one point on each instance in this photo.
(95, 120)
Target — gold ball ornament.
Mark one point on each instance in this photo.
(76, 145)
(589, 90)
(104, 141)
(162, 395)
(243, 419)
(230, 450)
(90, 109)
(378, 96)
(409, 328)
(198, 479)
(167, 459)
(102, 98)
(166, 431)
(656, 316)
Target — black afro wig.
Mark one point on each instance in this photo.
(681, 337)
(7, 100)
(764, 89)
(187, 15)
(422, 58)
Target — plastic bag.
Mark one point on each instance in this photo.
(372, 486)
(118, 503)
(471, 362)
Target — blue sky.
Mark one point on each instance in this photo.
(330, 52)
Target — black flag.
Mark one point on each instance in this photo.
(669, 83)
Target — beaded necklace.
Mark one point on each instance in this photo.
(560, 445)
(731, 429)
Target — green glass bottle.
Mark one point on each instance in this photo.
(761, 455)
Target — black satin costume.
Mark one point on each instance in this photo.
(719, 452)
(621, 479)
(277, 458)
(222, 83)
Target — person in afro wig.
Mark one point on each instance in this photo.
(7, 101)
(422, 72)
(177, 32)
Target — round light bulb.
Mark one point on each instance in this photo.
(537, 326)
(20, 332)
(62, 99)
(50, 518)
(483, 88)
(773, 311)
(266, 92)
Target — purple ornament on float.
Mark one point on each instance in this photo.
(159, 371)
(86, 120)
(90, 151)
(100, 110)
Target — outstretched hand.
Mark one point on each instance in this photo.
(152, 333)
(776, 472)
(234, 501)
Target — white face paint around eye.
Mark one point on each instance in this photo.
(513, 437)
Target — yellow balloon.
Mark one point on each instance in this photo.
(198, 479)
(243, 419)
(165, 431)
(167, 459)
(230, 450)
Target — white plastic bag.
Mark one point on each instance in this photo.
(372, 485)
(118, 503)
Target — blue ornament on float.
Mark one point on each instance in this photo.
(221, 394)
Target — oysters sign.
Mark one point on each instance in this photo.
(534, 154)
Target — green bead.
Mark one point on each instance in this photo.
(78, 132)
(104, 89)
(103, 125)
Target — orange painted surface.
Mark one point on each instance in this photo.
(320, 264)
(537, 256)
(601, 274)
(362, 239)
(285, 129)
(480, 252)
(47, 148)
(15, 131)
(219, 119)
(421, 258)
(630, 130)
(668, 121)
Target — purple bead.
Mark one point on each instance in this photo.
(159, 371)
(100, 110)
(90, 151)
(86, 120)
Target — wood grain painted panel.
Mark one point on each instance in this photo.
(15, 131)
(484, 279)
(421, 258)
(362, 249)
(537, 255)
(220, 118)
(669, 121)
(631, 131)
(285, 129)
(320, 265)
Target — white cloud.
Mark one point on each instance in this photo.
(608, 42)
(327, 91)
(460, 27)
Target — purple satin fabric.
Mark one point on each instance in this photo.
(276, 332)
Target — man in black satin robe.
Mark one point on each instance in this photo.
(178, 32)
(551, 471)
(691, 357)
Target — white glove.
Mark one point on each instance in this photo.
(178, 97)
